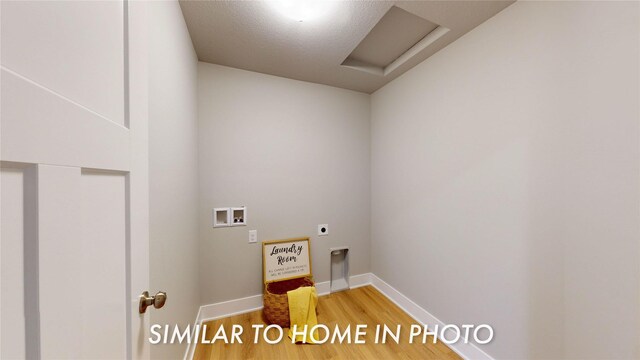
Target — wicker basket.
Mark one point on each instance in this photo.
(276, 303)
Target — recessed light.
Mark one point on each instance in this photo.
(303, 10)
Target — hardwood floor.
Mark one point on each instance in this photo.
(363, 305)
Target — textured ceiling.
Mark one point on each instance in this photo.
(251, 35)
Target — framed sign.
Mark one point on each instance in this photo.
(286, 259)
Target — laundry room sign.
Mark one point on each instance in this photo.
(286, 259)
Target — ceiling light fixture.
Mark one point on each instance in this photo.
(303, 10)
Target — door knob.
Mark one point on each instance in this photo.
(157, 301)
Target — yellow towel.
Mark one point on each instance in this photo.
(302, 311)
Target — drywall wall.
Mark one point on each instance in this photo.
(173, 182)
(505, 181)
(296, 155)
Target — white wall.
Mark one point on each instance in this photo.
(173, 182)
(297, 155)
(505, 181)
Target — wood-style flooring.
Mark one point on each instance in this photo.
(363, 305)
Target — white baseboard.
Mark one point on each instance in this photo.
(230, 308)
(466, 351)
(191, 348)
(357, 281)
(224, 309)
(253, 303)
(323, 288)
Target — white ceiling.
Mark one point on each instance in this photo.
(393, 35)
(251, 35)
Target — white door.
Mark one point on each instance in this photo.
(73, 133)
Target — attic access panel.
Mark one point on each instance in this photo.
(393, 40)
